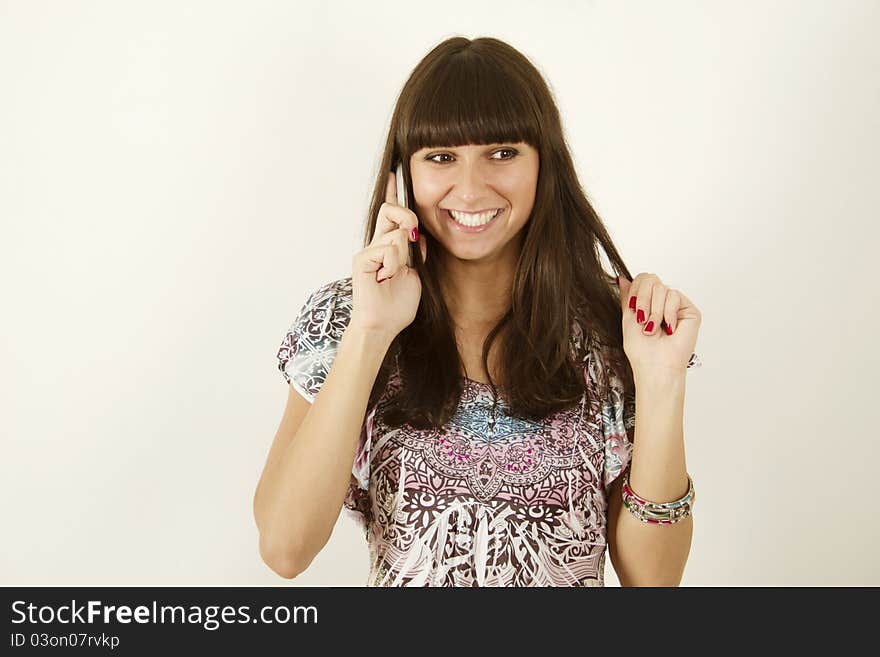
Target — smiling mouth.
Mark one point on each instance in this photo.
(473, 223)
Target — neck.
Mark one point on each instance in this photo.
(477, 292)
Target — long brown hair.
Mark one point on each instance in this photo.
(483, 91)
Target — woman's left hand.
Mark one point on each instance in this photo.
(659, 307)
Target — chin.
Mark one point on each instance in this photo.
(476, 254)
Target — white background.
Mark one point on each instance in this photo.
(176, 177)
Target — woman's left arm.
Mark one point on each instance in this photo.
(646, 554)
(649, 554)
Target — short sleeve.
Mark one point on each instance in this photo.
(305, 357)
(618, 425)
(309, 347)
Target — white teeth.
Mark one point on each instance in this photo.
(473, 219)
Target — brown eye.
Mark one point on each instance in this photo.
(513, 153)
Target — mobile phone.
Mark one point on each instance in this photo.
(403, 201)
(401, 187)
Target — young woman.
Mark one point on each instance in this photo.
(471, 392)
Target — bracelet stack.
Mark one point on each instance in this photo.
(667, 513)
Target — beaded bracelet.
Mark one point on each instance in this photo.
(660, 514)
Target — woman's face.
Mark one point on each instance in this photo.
(472, 179)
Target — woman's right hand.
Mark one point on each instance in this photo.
(385, 289)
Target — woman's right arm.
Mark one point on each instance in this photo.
(309, 467)
(308, 471)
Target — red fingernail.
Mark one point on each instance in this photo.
(640, 316)
(668, 330)
(632, 303)
(649, 327)
(415, 234)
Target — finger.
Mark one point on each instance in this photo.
(656, 306)
(622, 286)
(400, 239)
(405, 248)
(392, 217)
(369, 260)
(633, 291)
(688, 310)
(685, 300)
(643, 297)
(391, 263)
(670, 310)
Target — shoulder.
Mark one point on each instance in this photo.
(330, 294)
(327, 310)
(306, 353)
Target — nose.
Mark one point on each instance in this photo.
(470, 184)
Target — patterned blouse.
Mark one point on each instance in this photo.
(489, 499)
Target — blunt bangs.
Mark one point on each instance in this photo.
(470, 100)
